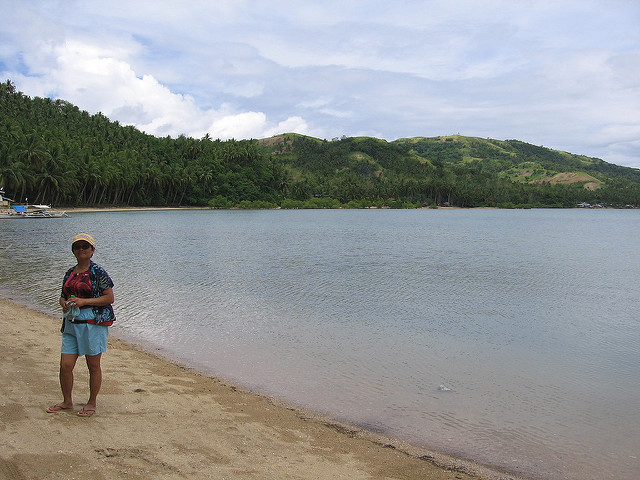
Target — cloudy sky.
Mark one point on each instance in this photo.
(564, 74)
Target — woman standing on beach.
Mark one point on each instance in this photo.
(86, 298)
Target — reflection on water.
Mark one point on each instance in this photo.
(506, 337)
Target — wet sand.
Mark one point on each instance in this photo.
(160, 420)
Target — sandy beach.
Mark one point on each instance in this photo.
(160, 420)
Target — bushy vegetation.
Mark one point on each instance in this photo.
(456, 171)
(52, 152)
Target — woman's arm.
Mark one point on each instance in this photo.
(105, 299)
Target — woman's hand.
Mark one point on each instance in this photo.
(72, 302)
(76, 302)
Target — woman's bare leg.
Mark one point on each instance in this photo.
(67, 364)
(95, 382)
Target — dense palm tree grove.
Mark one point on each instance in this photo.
(52, 152)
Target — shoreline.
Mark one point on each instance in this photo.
(142, 209)
(159, 419)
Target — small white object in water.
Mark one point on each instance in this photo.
(443, 388)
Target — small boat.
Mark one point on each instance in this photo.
(45, 214)
(20, 211)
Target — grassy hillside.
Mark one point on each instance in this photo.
(519, 161)
(465, 171)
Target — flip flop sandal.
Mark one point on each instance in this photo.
(57, 408)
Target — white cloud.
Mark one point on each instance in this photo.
(242, 125)
(95, 78)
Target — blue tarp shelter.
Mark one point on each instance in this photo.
(20, 208)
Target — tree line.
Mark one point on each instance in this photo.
(52, 152)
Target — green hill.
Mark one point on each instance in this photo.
(53, 152)
(458, 170)
(513, 159)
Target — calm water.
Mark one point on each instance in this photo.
(506, 337)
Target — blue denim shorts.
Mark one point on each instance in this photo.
(84, 338)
